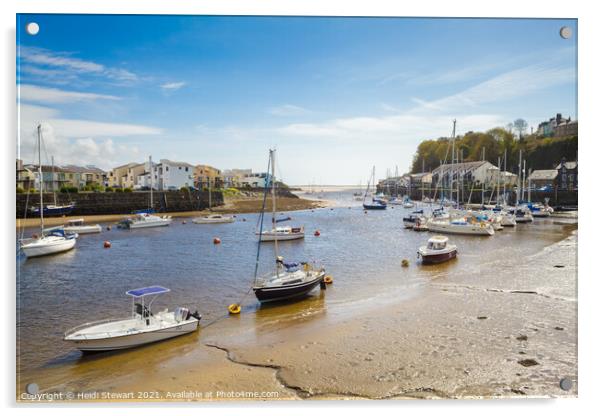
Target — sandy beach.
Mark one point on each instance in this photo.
(232, 205)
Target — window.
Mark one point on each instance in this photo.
(166, 168)
(186, 168)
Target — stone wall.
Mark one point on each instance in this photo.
(95, 203)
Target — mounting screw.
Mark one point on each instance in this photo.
(32, 28)
(566, 384)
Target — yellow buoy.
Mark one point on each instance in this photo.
(405, 263)
(234, 309)
(328, 279)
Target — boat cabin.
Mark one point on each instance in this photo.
(437, 243)
(75, 223)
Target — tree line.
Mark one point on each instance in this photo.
(539, 152)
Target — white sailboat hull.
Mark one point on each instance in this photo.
(47, 245)
(149, 224)
(205, 220)
(281, 237)
(469, 229)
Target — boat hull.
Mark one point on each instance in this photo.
(54, 211)
(85, 229)
(135, 340)
(38, 250)
(213, 221)
(375, 206)
(438, 258)
(282, 237)
(472, 229)
(149, 224)
(272, 294)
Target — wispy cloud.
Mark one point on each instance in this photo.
(44, 62)
(33, 93)
(504, 87)
(172, 86)
(288, 110)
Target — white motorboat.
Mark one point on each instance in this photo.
(460, 226)
(143, 327)
(145, 220)
(437, 250)
(410, 221)
(522, 215)
(77, 226)
(282, 234)
(213, 219)
(49, 241)
(508, 219)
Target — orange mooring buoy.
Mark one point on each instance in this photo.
(107, 244)
(317, 233)
(216, 240)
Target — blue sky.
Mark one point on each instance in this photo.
(334, 95)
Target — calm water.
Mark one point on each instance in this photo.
(362, 251)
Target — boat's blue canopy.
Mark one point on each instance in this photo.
(145, 291)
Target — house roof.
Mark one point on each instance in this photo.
(464, 166)
(569, 165)
(172, 163)
(544, 174)
(83, 169)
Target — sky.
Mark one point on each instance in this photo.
(335, 96)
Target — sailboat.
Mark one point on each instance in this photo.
(377, 203)
(145, 218)
(49, 241)
(54, 209)
(288, 280)
(212, 218)
(278, 233)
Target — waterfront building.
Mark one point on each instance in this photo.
(542, 178)
(233, 178)
(256, 180)
(567, 175)
(25, 176)
(120, 176)
(206, 176)
(469, 172)
(82, 176)
(172, 175)
(557, 127)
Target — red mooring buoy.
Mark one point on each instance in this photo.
(107, 244)
(317, 233)
(216, 240)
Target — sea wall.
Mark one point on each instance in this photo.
(96, 203)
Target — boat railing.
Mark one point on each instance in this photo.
(90, 324)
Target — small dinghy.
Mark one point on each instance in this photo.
(78, 227)
(143, 327)
(437, 250)
(410, 221)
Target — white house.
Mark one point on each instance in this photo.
(255, 180)
(169, 175)
(480, 171)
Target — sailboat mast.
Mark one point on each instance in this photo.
(483, 184)
(41, 178)
(518, 184)
(273, 173)
(53, 182)
(451, 184)
(150, 168)
(504, 182)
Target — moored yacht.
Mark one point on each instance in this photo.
(437, 250)
(461, 226)
(77, 226)
(145, 220)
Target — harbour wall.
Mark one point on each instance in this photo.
(100, 203)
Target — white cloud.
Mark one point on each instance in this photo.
(34, 93)
(172, 86)
(41, 60)
(288, 110)
(77, 142)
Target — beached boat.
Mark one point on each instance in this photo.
(145, 220)
(49, 241)
(539, 210)
(460, 226)
(77, 226)
(213, 218)
(143, 327)
(289, 280)
(522, 215)
(437, 250)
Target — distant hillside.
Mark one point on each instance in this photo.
(540, 152)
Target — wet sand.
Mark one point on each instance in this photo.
(238, 205)
(493, 333)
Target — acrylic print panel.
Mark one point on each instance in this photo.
(297, 208)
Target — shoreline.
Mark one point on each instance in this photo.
(231, 206)
(423, 347)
